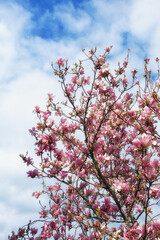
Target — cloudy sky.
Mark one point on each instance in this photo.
(32, 34)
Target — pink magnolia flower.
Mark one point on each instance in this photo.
(127, 97)
(105, 68)
(36, 194)
(120, 186)
(57, 236)
(104, 72)
(125, 80)
(60, 61)
(50, 96)
(147, 110)
(74, 79)
(21, 232)
(125, 63)
(29, 161)
(155, 163)
(33, 131)
(81, 72)
(79, 82)
(108, 49)
(37, 109)
(33, 173)
(14, 236)
(56, 187)
(34, 231)
(143, 140)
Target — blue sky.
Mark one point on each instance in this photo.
(32, 34)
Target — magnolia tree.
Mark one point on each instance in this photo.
(99, 155)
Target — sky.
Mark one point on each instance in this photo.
(33, 33)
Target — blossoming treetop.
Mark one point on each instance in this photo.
(99, 155)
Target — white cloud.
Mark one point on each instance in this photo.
(143, 23)
(144, 18)
(74, 20)
(13, 21)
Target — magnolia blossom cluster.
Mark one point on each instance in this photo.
(99, 154)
